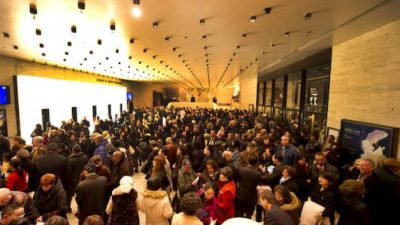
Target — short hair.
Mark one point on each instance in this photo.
(52, 147)
(278, 157)
(284, 192)
(290, 170)
(212, 163)
(19, 140)
(47, 179)
(227, 172)
(207, 186)
(190, 203)
(38, 138)
(56, 220)
(268, 196)
(9, 210)
(96, 159)
(253, 159)
(320, 154)
(370, 161)
(93, 220)
(154, 183)
(76, 148)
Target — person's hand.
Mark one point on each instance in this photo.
(213, 222)
(262, 168)
(321, 167)
(39, 219)
(308, 180)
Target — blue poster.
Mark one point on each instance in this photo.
(366, 140)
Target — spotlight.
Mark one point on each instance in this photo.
(253, 19)
(38, 32)
(204, 36)
(267, 10)
(32, 9)
(136, 11)
(132, 41)
(73, 29)
(272, 45)
(237, 46)
(99, 41)
(155, 25)
(112, 25)
(202, 21)
(174, 49)
(167, 38)
(145, 50)
(81, 5)
(244, 35)
(287, 34)
(307, 16)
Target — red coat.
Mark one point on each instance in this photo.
(15, 183)
(226, 205)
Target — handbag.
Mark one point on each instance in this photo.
(311, 213)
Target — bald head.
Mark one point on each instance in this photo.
(5, 196)
(227, 155)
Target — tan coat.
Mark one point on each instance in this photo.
(156, 206)
(183, 219)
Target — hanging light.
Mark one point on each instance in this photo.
(136, 11)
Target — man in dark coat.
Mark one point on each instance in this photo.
(4, 146)
(52, 162)
(90, 193)
(274, 215)
(120, 168)
(77, 160)
(248, 178)
(289, 153)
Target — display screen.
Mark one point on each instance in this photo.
(4, 95)
(129, 96)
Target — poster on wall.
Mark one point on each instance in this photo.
(3, 122)
(365, 140)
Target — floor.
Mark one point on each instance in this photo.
(139, 185)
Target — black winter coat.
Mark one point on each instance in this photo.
(53, 202)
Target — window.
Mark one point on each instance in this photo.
(317, 89)
(260, 95)
(278, 98)
(268, 93)
(293, 91)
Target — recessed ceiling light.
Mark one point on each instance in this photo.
(117, 50)
(85, 59)
(154, 56)
(244, 35)
(38, 32)
(66, 53)
(136, 11)
(155, 25)
(145, 50)
(132, 40)
(130, 57)
(15, 47)
(69, 43)
(112, 25)
(272, 45)
(202, 21)
(174, 49)
(237, 46)
(253, 19)
(43, 54)
(99, 41)
(6, 35)
(106, 58)
(204, 36)
(286, 34)
(267, 10)
(41, 45)
(32, 9)
(307, 16)
(73, 29)
(81, 5)
(91, 52)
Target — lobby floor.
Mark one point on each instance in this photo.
(139, 185)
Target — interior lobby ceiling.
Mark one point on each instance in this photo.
(190, 43)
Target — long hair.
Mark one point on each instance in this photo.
(15, 163)
(159, 164)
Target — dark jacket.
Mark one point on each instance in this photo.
(290, 154)
(353, 211)
(292, 185)
(77, 162)
(52, 162)
(124, 210)
(90, 196)
(119, 170)
(327, 199)
(276, 216)
(248, 179)
(53, 202)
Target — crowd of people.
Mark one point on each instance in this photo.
(202, 166)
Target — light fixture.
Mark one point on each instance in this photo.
(307, 16)
(112, 25)
(244, 35)
(272, 45)
(204, 36)
(155, 25)
(286, 34)
(73, 29)
(81, 5)
(136, 11)
(267, 10)
(132, 40)
(253, 19)
(202, 21)
(33, 10)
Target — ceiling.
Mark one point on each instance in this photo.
(181, 50)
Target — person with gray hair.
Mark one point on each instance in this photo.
(22, 199)
(273, 213)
